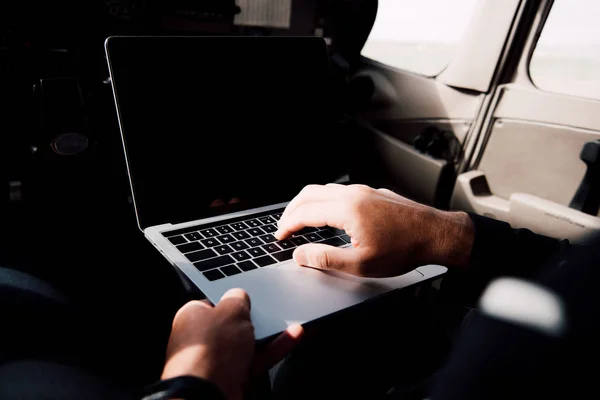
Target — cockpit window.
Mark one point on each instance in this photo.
(567, 56)
(419, 36)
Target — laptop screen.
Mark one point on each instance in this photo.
(208, 121)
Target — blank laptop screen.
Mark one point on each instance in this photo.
(207, 118)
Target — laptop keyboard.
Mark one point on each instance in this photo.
(229, 249)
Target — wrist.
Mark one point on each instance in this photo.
(452, 239)
(191, 362)
(183, 387)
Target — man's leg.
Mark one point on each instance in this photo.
(46, 350)
(364, 353)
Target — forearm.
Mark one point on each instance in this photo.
(452, 239)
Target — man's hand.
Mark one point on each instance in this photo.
(217, 344)
(391, 235)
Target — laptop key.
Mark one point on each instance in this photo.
(224, 229)
(225, 238)
(241, 256)
(177, 240)
(283, 255)
(239, 226)
(209, 233)
(326, 234)
(210, 242)
(213, 275)
(256, 252)
(313, 237)
(266, 220)
(338, 231)
(241, 235)
(188, 248)
(305, 230)
(193, 236)
(247, 266)
(239, 246)
(200, 255)
(212, 263)
(254, 242)
(268, 238)
(276, 217)
(252, 223)
(286, 244)
(269, 228)
(334, 241)
(298, 240)
(271, 248)
(231, 270)
(264, 261)
(256, 231)
(346, 238)
(223, 249)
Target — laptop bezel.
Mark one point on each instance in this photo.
(107, 47)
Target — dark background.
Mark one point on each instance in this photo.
(66, 214)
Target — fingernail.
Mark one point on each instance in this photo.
(299, 257)
(295, 331)
(239, 293)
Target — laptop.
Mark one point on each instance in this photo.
(219, 134)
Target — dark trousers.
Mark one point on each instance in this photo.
(52, 349)
(49, 349)
(389, 349)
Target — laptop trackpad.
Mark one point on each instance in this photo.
(286, 294)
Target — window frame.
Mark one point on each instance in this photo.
(483, 43)
(418, 73)
(526, 66)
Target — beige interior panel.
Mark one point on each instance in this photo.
(525, 167)
(403, 168)
(404, 95)
(398, 157)
(476, 59)
(408, 130)
(538, 159)
(522, 210)
(517, 102)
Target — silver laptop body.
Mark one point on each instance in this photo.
(229, 248)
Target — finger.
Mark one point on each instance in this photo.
(205, 303)
(395, 196)
(236, 299)
(278, 349)
(217, 203)
(196, 304)
(388, 193)
(323, 256)
(313, 214)
(193, 307)
(237, 294)
(307, 194)
(312, 193)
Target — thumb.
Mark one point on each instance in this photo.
(325, 257)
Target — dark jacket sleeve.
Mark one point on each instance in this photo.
(499, 250)
(500, 358)
(184, 388)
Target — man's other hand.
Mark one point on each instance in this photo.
(217, 344)
(390, 234)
